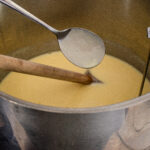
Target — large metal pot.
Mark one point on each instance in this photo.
(124, 126)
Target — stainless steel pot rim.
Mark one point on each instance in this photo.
(118, 106)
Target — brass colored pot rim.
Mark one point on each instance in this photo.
(89, 110)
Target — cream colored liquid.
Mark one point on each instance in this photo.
(121, 83)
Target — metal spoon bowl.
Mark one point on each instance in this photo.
(80, 46)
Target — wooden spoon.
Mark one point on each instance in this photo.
(23, 66)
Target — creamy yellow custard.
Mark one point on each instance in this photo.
(121, 82)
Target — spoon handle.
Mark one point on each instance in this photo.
(21, 10)
(9, 63)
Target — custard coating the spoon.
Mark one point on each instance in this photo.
(80, 46)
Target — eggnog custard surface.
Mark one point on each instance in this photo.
(121, 82)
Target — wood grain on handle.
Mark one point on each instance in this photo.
(23, 66)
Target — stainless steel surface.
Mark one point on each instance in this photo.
(148, 30)
(145, 74)
(125, 126)
(82, 47)
(21, 10)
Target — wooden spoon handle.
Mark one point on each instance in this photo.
(23, 66)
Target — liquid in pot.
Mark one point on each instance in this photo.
(121, 82)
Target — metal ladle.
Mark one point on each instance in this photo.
(80, 46)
